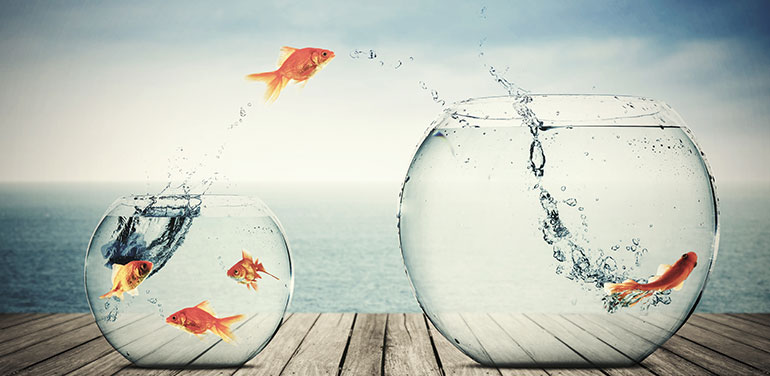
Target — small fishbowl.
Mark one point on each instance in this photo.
(558, 230)
(188, 280)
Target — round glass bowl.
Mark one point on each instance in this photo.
(188, 281)
(522, 217)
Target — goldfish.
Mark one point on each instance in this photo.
(197, 320)
(246, 271)
(294, 64)
(668, 277)
(126, 278)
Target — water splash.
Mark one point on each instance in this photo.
(372, 55)
(166, 225)
(577, 262)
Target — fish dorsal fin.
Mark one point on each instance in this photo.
(204, 306)
(285, 53)
(679, 286)
(246, 255)
(115, 269)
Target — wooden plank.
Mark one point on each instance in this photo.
(320, 353)
(90, 351)
(763, 317)
(12, 319)
(661, 362)
(48, 348)
(498, 345)
(696, 353)
(183, 349)
(205, 364)
(212, 357)
(759, 318)
(545, 349)
(408, 350)
(737, 323)
(114, 361)
(744, 337)
(33, 326)
(726, 346)
(148, 344)
(279, 351)
(589, 347)
(105, 365)
(364, 355)
(71, 360)
(454, 362)
(20, 343)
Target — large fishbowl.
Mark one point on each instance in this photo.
(558, 230)
(188, 280)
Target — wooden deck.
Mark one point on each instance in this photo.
(377, 344)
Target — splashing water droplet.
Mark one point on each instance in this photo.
(536, 158)
(571, 201)
(563, 188)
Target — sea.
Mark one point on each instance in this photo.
(343, 238)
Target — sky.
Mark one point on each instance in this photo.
(116, 91)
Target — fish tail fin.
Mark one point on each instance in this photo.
(261, 269)
(626, 294)
(275, 83)
(613, 288)
(222, 327)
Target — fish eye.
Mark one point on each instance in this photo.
(324, 54)
(684, 256)
(173, 317)
(235, 272)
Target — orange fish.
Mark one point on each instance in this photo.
(197, 320)
(245, 271)
(668, 277)
(126, 278)
(294, 64)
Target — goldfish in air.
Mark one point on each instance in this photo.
(246, 271)
(126, 278)
(197, 320)
(294, 64)
(668, 277)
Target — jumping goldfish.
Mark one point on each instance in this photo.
(294, 64)
(245, 271)
(668, 277)
(197, 320)
(126, 278)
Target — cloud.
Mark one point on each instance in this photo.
(112, 92)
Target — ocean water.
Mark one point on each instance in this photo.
(343, 239)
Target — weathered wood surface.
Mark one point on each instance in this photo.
(400, 344)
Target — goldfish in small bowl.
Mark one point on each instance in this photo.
(160, 284)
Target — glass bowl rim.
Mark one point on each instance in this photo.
(663, 110)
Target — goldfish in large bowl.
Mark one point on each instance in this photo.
(558, 230)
